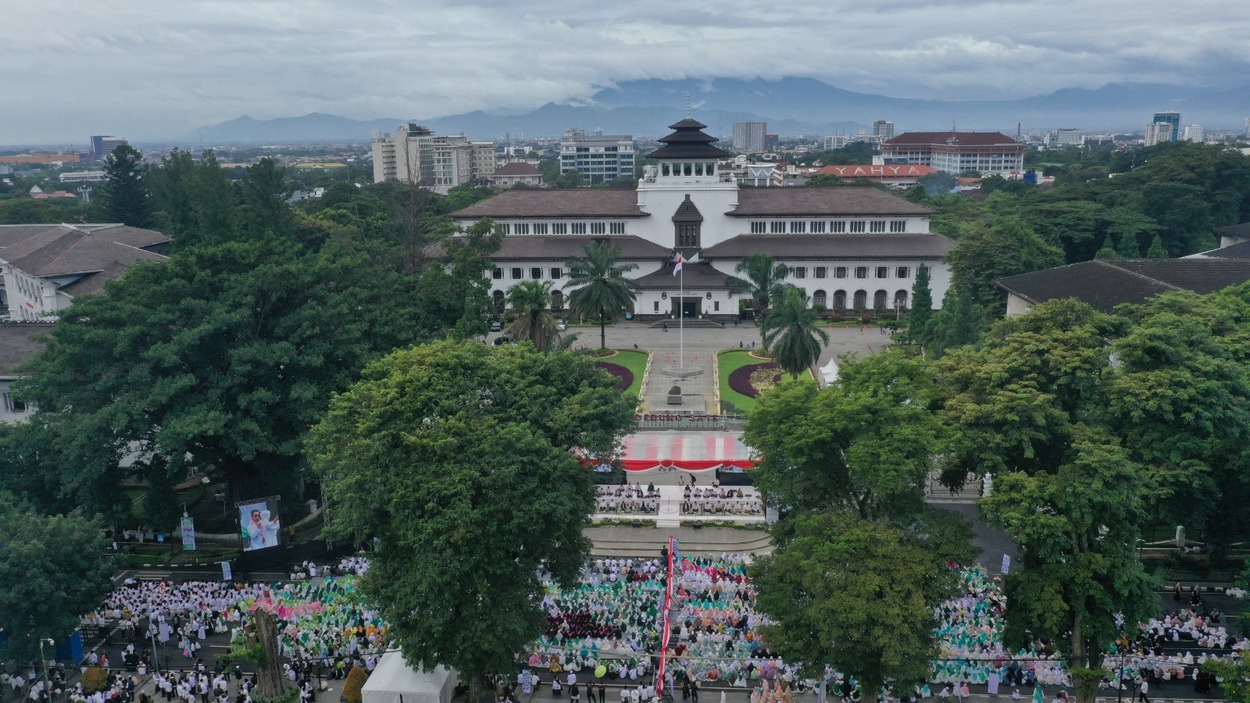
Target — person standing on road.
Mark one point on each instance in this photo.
(1143, 690)
(575, 695)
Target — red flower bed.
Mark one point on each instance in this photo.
(626, 376)
(740, 378)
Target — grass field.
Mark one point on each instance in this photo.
(726, 363)
(636, 361)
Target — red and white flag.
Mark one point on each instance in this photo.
(680, 261)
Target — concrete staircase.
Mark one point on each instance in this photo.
(629, 541)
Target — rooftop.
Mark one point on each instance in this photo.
(19, 342)
(688, 141)
(951, 138)
(564, 247)
(517, 168)
(65, 250)
(583, 202)
(825, 246)
(860, 200)
(700, 275)
(1106, 284)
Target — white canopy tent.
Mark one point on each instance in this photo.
(829, 373)
(394, 681)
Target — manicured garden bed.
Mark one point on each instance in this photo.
(628, 365)
(734, 370)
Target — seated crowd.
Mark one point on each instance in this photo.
(721, 501)
(628, 499)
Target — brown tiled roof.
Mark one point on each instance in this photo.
(19, 341)
(64, 250)
(1236, 251)
(1242, 230)
(517, 168)
(562, 247)
(1106, 284)
(950, 138)
(701, 275)
(823, 202)
(832, 246)
(580, 202)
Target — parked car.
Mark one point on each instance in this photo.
(561, 325)
(502, 340)
(496, 326)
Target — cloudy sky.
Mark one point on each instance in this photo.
(160, 68)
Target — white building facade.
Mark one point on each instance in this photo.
(853, 250)
(599, 158)
(415, 155)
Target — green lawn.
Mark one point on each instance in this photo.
(636, 361)
(726, 363)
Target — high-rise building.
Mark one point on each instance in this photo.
(1171, 118)
(415, 155)
(883, 130)
(102, 146)
(1158, 132)
(600, 158)
(1069, 137)
(1194, 133)
(991, 153)
(749, 137)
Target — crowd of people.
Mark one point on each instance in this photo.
(610, 625)
(629, 499)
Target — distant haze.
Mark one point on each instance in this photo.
(152, 69)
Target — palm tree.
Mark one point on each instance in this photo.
(791, 334)
(531, 301)
(762, 280)
(600, 288)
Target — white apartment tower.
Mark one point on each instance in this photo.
(415, 155)
(750, 137)
(599, 158)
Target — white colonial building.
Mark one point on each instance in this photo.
(852, 249)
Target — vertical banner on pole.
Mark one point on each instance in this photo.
(667, 631)
(187, 526)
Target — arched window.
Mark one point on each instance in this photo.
(499, 298)
(839, 300)
(818, 298)
(878, 300)
(900, 300)
(861, 299)
(557, 300)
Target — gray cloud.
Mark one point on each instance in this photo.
(153, 68)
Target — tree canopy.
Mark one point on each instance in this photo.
(598, 287)
(457, 456)
(53, 568)
(791, 333)
(125, 194)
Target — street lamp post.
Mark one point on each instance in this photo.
(43, 659)
(156, 666)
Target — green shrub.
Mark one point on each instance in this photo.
(356, 679)
(94, 679)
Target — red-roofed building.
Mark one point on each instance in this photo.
(893, 174)
(991, 153)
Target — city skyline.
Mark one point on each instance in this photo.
(151, 70)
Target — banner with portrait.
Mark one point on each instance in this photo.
(259, 524)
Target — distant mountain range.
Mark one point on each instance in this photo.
(790, 106)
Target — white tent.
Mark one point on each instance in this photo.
(393, 681)
(829, 372)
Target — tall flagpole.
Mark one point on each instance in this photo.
(681, 310)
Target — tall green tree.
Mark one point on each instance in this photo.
(864, 445)
(600, 290)
(921, 303)
(853, 595)
(1029, 408)
(985, 253)
(53, 568)
(531, 301)
(792, 334)
(125, 193)
(959, 323)
(762, 278)
(454, 293)
(218, 359)
(458, 457)
(265, 192)
(194, 200)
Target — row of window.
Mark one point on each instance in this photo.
(563, 228)
(841, 272)
(827, 227)
(536, 273)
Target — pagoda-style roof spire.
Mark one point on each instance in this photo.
(688, 141)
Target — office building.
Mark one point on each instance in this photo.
(882, 130)
(749, 137)
(415, 155)
(1194, 133)
(990, 153)
(1170, 118)
(1069, 137)
(102, 146)
(600, 158)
